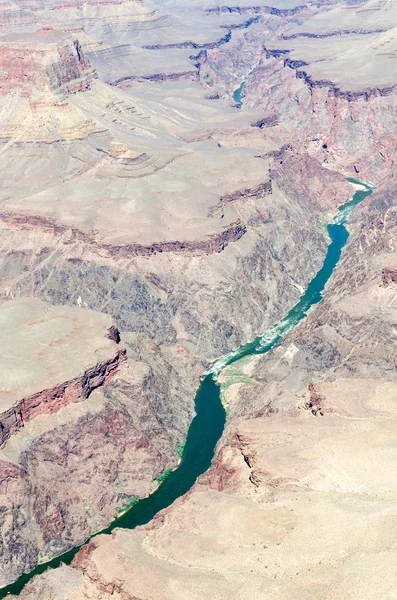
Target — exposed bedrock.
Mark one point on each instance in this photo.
(262, 190)
(53, 399)
(212, 245)
(125, 82)
(188, 44)
(69, 353)
(83, 444)
(340, 32)
(345, 134)
(333, 89)
(46, 60)
(75, 473)
(194, 226)
(174, 316)
(282, 12)
(304, 459)
(39, 74)
(347, 130)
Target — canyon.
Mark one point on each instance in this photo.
(168, 174)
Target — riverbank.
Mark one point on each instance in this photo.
(208, 424)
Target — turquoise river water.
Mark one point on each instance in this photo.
(237, 94)
(207, 426)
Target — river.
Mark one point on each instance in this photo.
(208, 424)
(237, 93)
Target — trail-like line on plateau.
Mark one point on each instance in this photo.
(209, 421)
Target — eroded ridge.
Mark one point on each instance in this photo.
(366, 94)
(59, 355)
(213, 244)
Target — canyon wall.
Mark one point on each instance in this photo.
(138, 183)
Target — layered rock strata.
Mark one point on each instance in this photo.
(197, 224)
(304, 458)
(65, 417)
(62, 342)
(47, 60)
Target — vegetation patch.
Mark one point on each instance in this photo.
(127, 506)
(164, 476)
(181, 450)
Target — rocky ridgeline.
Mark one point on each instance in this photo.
(52, 400)
(211, 245)
(58, 334)
(125, 82)
(322, 36)
(260, 191)
(188, 44)
(271, 10)
(44, 61)
(335, 91)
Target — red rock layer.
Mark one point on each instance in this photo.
(212, 245)
(50, 64)
(52, 400)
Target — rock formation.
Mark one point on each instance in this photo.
(60, 425)
(173, 168)
(46, 60)
(304, 460)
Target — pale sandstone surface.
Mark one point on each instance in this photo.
(163, 208)
(222, 546)
(43, 346)
(351, 61)
(70, 419)
(132, 184)
(300, 501)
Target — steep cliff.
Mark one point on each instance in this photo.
(184, 192)
(300, 499)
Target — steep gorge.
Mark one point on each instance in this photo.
(195, 224)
